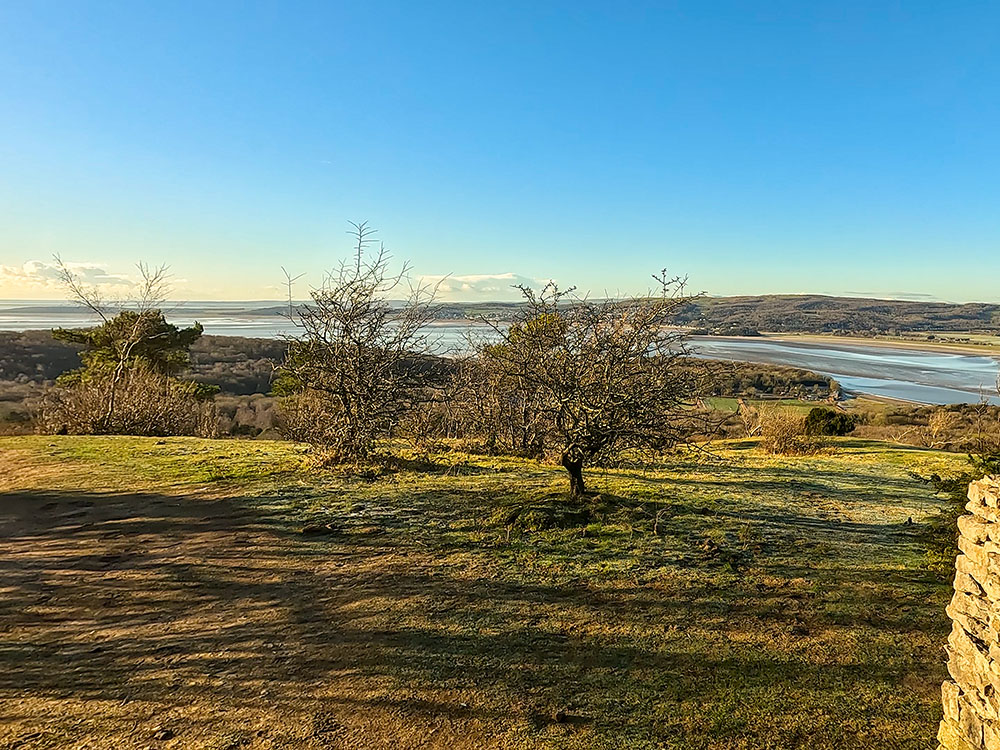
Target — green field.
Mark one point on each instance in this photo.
(725, 403)
(236, 595)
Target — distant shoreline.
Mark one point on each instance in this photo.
(884, 343)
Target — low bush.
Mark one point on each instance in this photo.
(783, 431)
(825, 421)
(147, 403)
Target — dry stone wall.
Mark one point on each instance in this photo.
(972, 696)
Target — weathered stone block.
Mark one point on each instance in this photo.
(970, 722)
(969, 663)
(971, 625)
(983, 575)
(990, 515)
(949, 699)
(991, 735)
(950, 736)
(985, 492)
(977, 607)
(974, 529)
(985, 704)
(967, 584)
(975, 552)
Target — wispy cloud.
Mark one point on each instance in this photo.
(38, 275)
(492, 287)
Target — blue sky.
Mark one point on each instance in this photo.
(847, 147)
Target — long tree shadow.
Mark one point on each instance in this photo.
(182, 602)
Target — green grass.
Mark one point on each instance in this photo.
(133, 463)
(728, 599)
(724, 403)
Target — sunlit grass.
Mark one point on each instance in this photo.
(716, 599)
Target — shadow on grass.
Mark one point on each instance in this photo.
(150, 597)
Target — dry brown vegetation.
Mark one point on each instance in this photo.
(584, 380)
(346, 376)
(146, 403)
(783, 431)
(965, 428)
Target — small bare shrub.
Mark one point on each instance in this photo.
(425, 426)
(940, 425)
(353, 370)
(783, 431)
(749, 417)
(985, 437)
(146, 403)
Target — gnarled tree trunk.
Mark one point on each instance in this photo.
(575, 468)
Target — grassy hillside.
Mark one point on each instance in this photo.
(224, 594)
(238, 365)
(815, 313)
(812, 313)
(243, 369)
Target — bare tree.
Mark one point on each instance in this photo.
(149, 294)
(940, 424)
(603, 376)
(488, 408)
(133, 351)
(985, 440)
(354, 367)
(749, 417)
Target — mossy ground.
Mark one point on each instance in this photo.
(714, 600)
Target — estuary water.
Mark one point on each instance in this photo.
(930, 377)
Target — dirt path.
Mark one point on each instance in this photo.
(153, 621)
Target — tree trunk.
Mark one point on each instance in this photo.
(575, 469)
(112, 396)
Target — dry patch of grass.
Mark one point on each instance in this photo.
(162, 593)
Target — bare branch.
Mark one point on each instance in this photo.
(354, 367)
(588, 378)
(78, 292)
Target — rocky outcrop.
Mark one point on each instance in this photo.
(971, 697)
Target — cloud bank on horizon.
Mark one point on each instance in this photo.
(37, 279)
(487, 287)
(42, 277)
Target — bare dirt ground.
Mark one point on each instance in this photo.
(137, 621)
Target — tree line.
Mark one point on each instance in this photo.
(579, 381)
(572, 378)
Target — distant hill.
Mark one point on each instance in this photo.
(799, 313)
(814, 313)
(786, 313)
